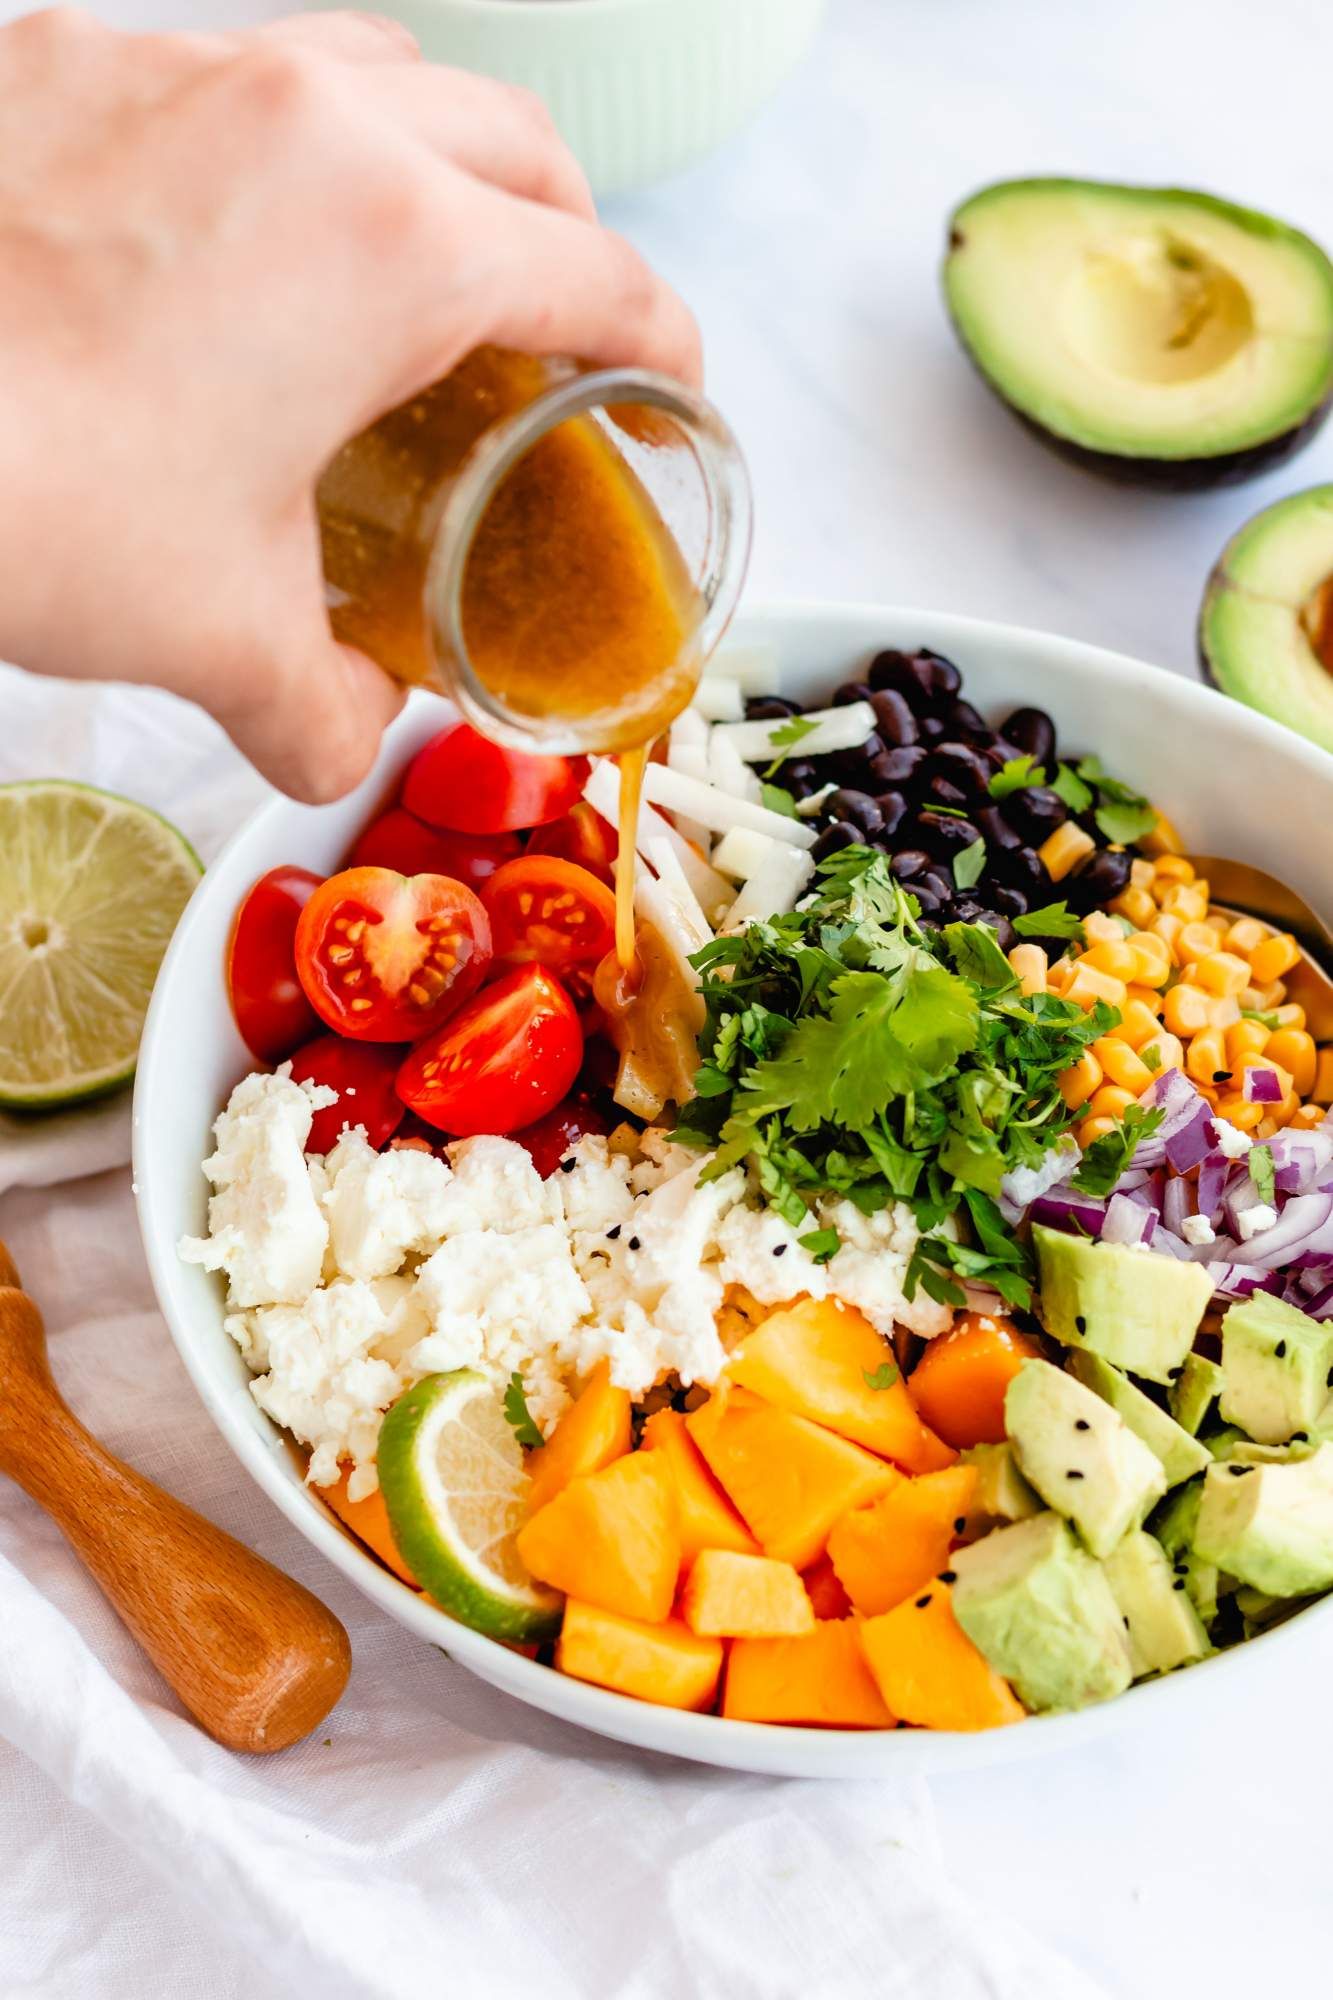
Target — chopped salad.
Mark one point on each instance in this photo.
(921, 1315)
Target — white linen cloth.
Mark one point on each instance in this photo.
(434, 1835)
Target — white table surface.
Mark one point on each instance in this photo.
(1186, 1855)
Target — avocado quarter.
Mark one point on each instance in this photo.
(1161, 336)
(1266, 625)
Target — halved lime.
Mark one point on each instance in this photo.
(91, 887)
(456, 1492)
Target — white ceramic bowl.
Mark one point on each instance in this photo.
(639, 88)
(1234, 783)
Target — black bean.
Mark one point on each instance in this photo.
(939, 884)
(800, 776)
(932, 728)
(769, 708)
(852, 763)
(927, 901)
(893, 718)
(998, 753)
(857, 809)
(1023, 868)
(1104, 878)
(968, 910)
(851, 691)
(941, 833)
(1009, 902)
(1037, 811)
(1033, 732)
(909, 862)
(892, 806)
(943, 677)
(961, 763)
(841, 834)
(900, 672)
(898, 767)
(998, 832)
(968, 721)
(942, 793)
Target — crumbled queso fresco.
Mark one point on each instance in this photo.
(352, 1275)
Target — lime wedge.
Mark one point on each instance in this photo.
(91, 887)
(456, 1492)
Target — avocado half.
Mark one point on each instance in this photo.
(1266, 627)
(1155, 335)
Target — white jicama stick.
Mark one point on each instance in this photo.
(689, 728)
(727, 772)
(690, 755)
(673, 879)
(830, 729)
(718, 810)
(773, 888)
(719, 699)
(602, 792)
(754, 668)
(809, 807)
(660, 909)
(742, 852)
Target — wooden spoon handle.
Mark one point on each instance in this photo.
(254, 1657)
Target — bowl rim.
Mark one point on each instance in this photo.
(709, 1739)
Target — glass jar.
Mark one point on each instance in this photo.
(558, 548)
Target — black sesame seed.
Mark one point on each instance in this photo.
(1239, 1471)
(612, 1234)
(1221, 1076)
(1178, 1370)
(1300, 1437)
(1080, 1323)
(1073, 1474)
(779, 1249)
(1179, 1583)
(634, 1243)
(948, 1576)
(922, 1602)
(1124, 1621)
(1328, 1379)
(960, 1524)
(568, 1166)
(1280, 1349)
(1082, 1424)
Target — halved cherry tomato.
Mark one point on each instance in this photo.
(551, 912)
(362, 1073)
(385, 957)
(502, 1062)
(463, 781)
(271, 1010)
(581, 835)
(401, 841)
(553, 1136)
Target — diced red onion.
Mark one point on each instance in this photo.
(1300, 1159)
(1192, 1142)
(1212, 1180)
(1176, 1097)
(1065, 1208)
(1176, 1204)
(1261, 1086)
(1299, 1228)
(1128, 1221)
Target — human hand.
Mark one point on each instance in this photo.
(223, 256)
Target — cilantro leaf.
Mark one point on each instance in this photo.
(1123, 823)
(1259, 1160)
(779, 800)
(1150, 1056)
(882, 1377)
(1067, 785)
(969, 864)
(977, 956)
(1267, 1019)
(1016, 776)
(821, 1243)
(785, 736)
(1106, 1158)
(1051, 920)
(517, 1414)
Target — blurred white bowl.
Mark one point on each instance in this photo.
(640, 88)
(1234, 783)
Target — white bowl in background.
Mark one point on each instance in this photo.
(639, 88)
(1234, 783)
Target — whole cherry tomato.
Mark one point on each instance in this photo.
(401, 841)
(271, 1009)
(464, 782)
(385, 957)
(583, 836)
(550, 912)
(552, 1137)
(362, 1073)
(504, 1060)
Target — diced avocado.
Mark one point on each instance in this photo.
(1137, 1310)
(1040, 1609)
(1232, 1445)
(1153, 334)
(1222, 1443)
(1164, 1628)
(1270, 1525)
(1266, 628)
(1194, 1391)
(1276, 1362)
(1181, 1455)
(1173, 1525)
(1002, 1493)
(1082, 1458)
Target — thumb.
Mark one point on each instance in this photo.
(316, 730)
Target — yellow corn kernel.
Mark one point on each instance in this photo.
(1195, 941)
(1322, 1089)
(1138, 1019)
(1224, 1014)
(1185, 1009)
(1167, 927)
(1266, 1128)
(1151, 999)
(1233, 1107)
(1188, 901)
(1224, 974)
(1307, 1117)
(1286, 1111)
(1273, 957)
(1175, 868)
(1080, 1080)
(1142, 873)
(1117, 959)
(1290, 1016)
(1263, 999)
(1152, 959)
(1209, 1092)
(1098, 928)
(1293, 1050)
(1247, 1038)
(1110, 1101)
(1087, 986)
(1245, 934)
(1206, 1057)
(1168, 1050)
(1218, 925)
(1136, 904)
(1065, 848)
(1162, 841)
(1120, 1065)
(1028, 964)
(1092, 1129)
(1060, 975)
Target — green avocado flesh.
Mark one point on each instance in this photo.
(1144, 329)
(1266, 628)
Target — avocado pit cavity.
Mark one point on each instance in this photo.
(1154, 307)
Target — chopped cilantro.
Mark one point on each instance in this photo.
(1016, 776)
(945, 812)
(821, 1243)
(882, 1377)
(779, 800)
(1051, 920)
(1106, 1158)
(969, 864)
(1150, 1056)
(1267, 1019)
(1123, 814)
(1259, 1160)
(517, 1414)
(785, 736)
(1067, 785)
